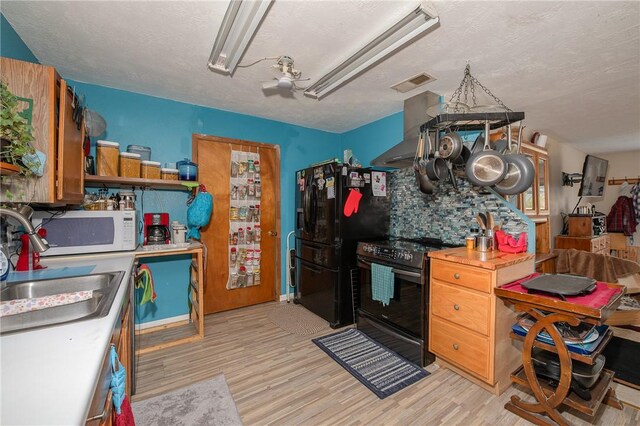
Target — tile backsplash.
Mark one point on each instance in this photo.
(446, 214)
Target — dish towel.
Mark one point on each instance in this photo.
(144, 280)
(382, 280)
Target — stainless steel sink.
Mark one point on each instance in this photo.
(104, 286)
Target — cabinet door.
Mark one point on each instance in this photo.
(528, 204)
(542, 189)
(70, 172)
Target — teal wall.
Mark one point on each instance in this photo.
(369, 141)
(11, 45)
(167, 126)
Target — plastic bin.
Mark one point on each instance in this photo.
(108, 154)
(129, 165)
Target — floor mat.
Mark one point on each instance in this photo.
(623, 357)
(381, 370)
(204, 403)
(297, 319)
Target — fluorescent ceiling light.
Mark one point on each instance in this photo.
(238, 26)
(418, 21)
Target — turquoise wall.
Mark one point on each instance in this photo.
(368, 141)
(11, 45)
(167, 126)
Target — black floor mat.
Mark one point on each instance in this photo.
(623, 357)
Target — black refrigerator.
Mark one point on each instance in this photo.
(336, 206)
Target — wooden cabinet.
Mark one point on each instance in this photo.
(534, 201)
(101, 411)
(469, 327)
(599, 244)
(49, 104)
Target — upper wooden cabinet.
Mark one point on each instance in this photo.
(534, 201)
(56, 134)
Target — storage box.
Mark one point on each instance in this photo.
(586, 225)
(108, 154)
(150, 169)
(144, 151)
(129, 165)
(169, 174)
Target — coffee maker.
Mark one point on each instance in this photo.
(156, 228)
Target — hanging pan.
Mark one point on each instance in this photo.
(450, 146)
(520, 170)
(419, 162)
(487, 167)
(436, 167)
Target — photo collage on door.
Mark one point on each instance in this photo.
(244, 220)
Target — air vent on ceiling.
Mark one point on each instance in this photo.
(413, 82)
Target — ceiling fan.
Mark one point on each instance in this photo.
(289, 76)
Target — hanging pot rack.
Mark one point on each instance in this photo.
(472, 120)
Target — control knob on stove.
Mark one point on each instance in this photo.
(408, 256)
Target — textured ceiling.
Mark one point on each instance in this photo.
(573, 67)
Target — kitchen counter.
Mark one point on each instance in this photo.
(47, 376)
(488, 260)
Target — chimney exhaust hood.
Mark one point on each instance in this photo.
(415, 115)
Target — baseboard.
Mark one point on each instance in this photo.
(283, 297)
(150, 324)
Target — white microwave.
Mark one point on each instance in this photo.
(88, 231)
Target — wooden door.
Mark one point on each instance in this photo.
(213, 156)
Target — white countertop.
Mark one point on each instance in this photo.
(47, 376)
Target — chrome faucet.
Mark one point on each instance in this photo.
(23, 216)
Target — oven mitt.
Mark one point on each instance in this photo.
(353, 201)
(118, 380)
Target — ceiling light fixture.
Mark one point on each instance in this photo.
(415, 23)
(238, 26)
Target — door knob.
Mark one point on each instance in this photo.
(273, 233)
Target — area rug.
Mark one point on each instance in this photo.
(204, 403)
(381, 370)
(297, 319)
(623, 357)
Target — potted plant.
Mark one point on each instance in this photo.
(15, 134)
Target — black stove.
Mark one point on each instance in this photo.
(401, 322)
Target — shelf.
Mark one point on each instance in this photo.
(7, 169)
(598, 391)
(123, 182)
(587, 359)
(474, 121)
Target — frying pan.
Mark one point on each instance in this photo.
(450, 147)
(463, 158)
(520, 170)
(487, 167)
(422, 179)
(436, 167)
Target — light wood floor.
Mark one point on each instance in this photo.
(284, 379)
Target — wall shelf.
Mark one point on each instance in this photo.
(124, 182)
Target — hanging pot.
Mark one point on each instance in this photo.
(450, 147)
(463, 158)
(436, 167)
(419, 163)
(520, 170)
(487, 167)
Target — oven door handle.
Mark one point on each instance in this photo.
(366, 264)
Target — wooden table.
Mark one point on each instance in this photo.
(549, 399)
(196, 282)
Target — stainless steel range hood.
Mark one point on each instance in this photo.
(415, 114)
